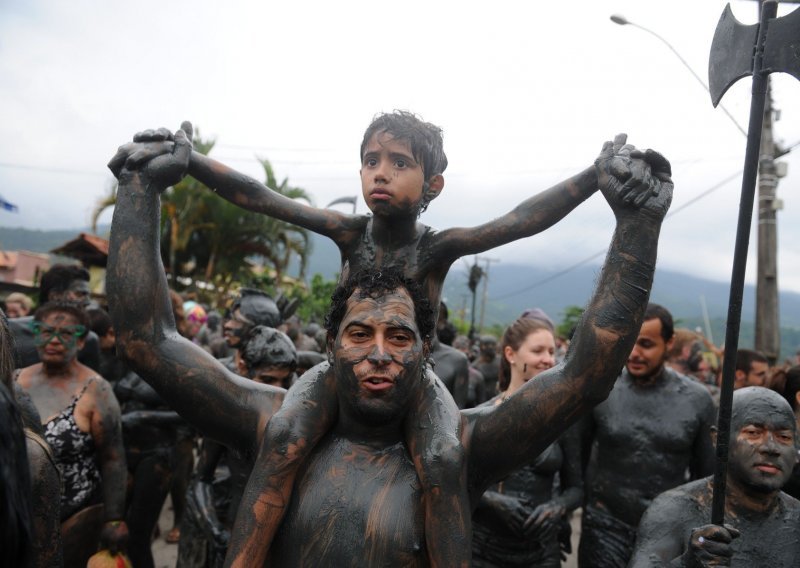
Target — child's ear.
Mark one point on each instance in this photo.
(435, 186)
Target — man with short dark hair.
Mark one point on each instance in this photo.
(654, 426)
(762, 524)
(752, 369)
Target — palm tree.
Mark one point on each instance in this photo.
(209, 238)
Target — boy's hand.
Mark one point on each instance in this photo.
(634, 181)
(161, 156)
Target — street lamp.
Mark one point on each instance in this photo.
(767, 329)
(623, 21)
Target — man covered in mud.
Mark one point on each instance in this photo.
(762, 523)
(359, 494)
(654, 426)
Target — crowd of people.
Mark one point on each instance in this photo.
(383, 438)
(103, 440)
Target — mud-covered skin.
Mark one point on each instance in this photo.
(52, 385)
(452, 368)
(497, 441)
(150, 431)
(762, 524)
(645, 437)
(517, 521)
(646, 434)
(391, 237)
(45, 500)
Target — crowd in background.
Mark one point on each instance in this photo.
(104, 451)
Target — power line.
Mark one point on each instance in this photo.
(53, 170)
(602, 252)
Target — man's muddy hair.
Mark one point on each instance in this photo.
(424, 138)
(372, 284)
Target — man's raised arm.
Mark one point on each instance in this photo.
(216, 402)
(506, 436)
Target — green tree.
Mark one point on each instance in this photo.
(572, 316)
(209, 240)
(314, 301)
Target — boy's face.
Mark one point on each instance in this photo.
(391, 179)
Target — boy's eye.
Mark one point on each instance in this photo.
(370, 162)
(400, 163)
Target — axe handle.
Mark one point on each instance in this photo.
(759, 91)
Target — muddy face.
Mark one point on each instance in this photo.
(378, 356)
(392, 181)
(763, 452)
(58, 338)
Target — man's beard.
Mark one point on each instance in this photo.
(378, 410)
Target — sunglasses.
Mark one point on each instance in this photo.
(44, 334)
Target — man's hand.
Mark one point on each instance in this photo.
(710, 545)
(157, 154)
(632, 181)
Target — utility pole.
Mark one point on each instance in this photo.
(767, 331)
(485, 295)
(767, 339)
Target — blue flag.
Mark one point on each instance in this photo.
(8, 206)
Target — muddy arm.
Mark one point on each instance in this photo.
(506, 436)
(250, 194)
(216, 402)
(530, 217)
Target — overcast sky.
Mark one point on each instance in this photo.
(526, 94)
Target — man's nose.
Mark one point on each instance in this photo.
(378, 355)
(770, 444)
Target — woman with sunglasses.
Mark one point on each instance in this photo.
(81, 420)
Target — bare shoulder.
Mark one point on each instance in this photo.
(24, 377)
(99, 390)
(791, 506)
(684, 506)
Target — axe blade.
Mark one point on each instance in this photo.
(731, 54)
(782, 47)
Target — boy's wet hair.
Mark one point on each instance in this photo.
(424, 138)
(372, 284)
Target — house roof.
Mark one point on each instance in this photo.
(90, 249)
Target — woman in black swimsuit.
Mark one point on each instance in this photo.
(81, 421)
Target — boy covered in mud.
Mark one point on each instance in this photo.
(402, 166)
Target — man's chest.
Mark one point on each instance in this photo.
(651, 420)
(353, 508)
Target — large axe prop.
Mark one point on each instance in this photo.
(772, 45)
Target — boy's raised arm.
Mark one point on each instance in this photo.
(533, 215)
(216, 402)
(533, 417)
(240, 189)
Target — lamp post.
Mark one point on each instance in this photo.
(767, 332)
(623, 21)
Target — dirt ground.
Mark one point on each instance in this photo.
(166, 555)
